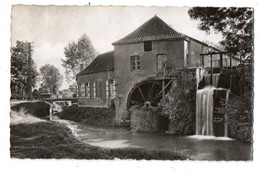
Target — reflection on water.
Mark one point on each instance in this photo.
(199, 147)
(109, 143)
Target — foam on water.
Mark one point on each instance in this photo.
(204, 137)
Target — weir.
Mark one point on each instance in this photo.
(205, 107)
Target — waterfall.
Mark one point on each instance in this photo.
(225, 117)
(204, 111)
(215, 78)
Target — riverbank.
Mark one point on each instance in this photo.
(197, 147)
(32, 137)
(89, 115)
(43, 139)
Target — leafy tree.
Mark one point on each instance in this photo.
(35, 94)
(51, 79)
(23, 70)
(77, 53)
(235, 24)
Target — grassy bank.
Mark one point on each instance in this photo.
(44, 140)
(37, 109)
(89, 115)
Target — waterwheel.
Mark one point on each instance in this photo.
(145, 93)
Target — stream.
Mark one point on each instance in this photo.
(197, 146)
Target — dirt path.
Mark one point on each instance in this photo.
(199, 147)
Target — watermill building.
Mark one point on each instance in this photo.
(136, 71)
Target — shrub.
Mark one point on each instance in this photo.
(179, 107)
(239, 108)
(38, 109)
(89, 115)
(144, 119)
(240, 116)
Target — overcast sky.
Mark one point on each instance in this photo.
(50, 28)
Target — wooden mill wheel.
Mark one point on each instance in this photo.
(147, 92)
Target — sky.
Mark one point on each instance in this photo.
(51, 28)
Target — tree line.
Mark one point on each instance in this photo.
(25, 76)
(24, 73)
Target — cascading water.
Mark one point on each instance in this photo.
(204, 111)
(226, 118)
(205, 107)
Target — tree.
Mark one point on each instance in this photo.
(23, 70)
(77, 53)
(235, 24)
(51, 79)
(36, 94)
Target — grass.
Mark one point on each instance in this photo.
(45, 140)
(89, 115)
(37, 109)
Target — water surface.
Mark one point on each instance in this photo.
(199, 147)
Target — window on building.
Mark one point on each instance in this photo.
(87, 90)
(82, 90)
(114, 89)
(110, 88)
(99, 89)
(107, 89)
(186, 53)
(147, 45)
(94, 90)
(135, 63)
(161, 61)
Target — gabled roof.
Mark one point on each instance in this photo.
(103, 62)
(153, 29)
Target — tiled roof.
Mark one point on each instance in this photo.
(103, 62)
(153, 29)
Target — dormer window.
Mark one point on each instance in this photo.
(147, 45)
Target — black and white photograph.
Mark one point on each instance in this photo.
(132, 83)
(153, 83)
